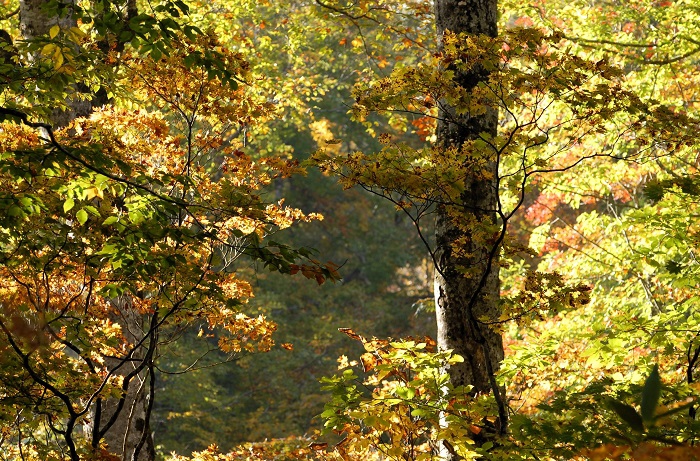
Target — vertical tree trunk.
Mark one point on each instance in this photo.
(35, 23)
(122, 424)
(463, 298)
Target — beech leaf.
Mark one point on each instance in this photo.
(651, 394)
(628, 415)
(81, 216)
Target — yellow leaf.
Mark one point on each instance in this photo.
(76, 34)
(94, 192)
(54, 31)
(48, 50)
(57, 59)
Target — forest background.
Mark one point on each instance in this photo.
(216, 111)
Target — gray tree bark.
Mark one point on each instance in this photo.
(35, 23)
(122, 424)
(464, 299)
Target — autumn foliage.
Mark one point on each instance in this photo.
(124, 229)
(153, 220)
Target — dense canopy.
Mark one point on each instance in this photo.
(349, 230)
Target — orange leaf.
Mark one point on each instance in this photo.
(351, 334)
(318, 445)
(369, 361)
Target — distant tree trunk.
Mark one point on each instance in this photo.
(463, 299)
(122, 424)
(35, 23)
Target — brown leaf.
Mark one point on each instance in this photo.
(318, 445)
(369, 361)
(351, 334)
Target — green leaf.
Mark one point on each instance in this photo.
(92, 210)
(191, 32)
(405, 393)
(68, 205)
(82, 216)
(14, 210)
(156, 54)
(651, 394)
(112, 290)
(628, 415)
(135, 217)
(419, 412)
(654, 191)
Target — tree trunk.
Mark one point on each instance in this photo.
(35, 23)
(464, 298)
(122, 424)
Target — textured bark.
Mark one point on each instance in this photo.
(462, 301)
(35, 23)
(122, 424)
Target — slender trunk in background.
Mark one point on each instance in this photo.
(121, 424)
(35, 23)
(461, 300)
(124, 424)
